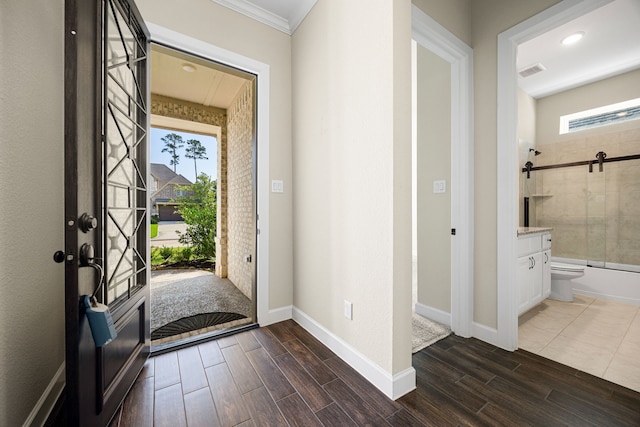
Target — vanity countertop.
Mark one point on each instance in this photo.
(522, 231)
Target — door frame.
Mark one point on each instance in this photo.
(507, 165)
(178, 41)
(434, 37)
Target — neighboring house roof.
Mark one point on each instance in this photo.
(165, 176)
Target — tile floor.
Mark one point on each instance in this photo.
(596, 336)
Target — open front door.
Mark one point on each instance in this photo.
(106, 215)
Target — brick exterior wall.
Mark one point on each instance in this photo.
(241, 210)
(179, 109)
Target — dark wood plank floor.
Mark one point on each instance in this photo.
(282, 376)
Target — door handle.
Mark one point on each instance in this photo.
(60, 256)
(87, 255)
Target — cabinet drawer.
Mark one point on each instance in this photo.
(528, 245)
(546, 241)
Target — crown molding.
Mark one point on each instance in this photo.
(298, 11)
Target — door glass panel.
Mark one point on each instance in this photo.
(125, 167)
(596, 216)
(561, 203)
(622, 192)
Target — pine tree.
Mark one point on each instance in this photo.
(172, 142)
(195, 151)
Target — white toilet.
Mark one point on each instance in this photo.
(561, 280)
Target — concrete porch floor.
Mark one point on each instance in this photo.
(180, 293)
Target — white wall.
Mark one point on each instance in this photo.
(454, 15)
(219, 26)
(32, 209)
(433, 163)
(489, 18)
(352, 170)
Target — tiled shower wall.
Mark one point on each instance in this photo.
(595, 216)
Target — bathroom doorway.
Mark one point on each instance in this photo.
(553, 329)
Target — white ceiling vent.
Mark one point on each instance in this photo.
(530, 71)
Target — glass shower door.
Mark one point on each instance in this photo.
(596, 217)
(621, 194)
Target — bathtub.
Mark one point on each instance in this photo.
(605, 283)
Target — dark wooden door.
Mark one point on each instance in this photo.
(106, 202)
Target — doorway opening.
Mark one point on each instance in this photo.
(442, 153)
(570, 337)
(202, 198)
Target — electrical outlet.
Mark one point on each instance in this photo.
(348, 309)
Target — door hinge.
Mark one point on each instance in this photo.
(453, 231)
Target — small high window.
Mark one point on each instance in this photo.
(602, 116)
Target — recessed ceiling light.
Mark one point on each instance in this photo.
(189, 68)
(573, 38)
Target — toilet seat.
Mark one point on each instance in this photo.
(573, 268)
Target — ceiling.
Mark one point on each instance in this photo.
(283, 15)
(610, 46)
(209, 84)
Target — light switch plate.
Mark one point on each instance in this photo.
(277, 186)
(348, 309)
(440, 186)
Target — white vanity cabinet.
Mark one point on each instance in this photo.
(546, 265)
(534, 269)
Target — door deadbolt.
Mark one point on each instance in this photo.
(87, 222)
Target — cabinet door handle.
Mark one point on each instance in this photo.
(546, 258)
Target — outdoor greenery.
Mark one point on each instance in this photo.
(166, 255)
(172, 142)
(196, 205)
(198, 210)
(153, 230)
(195, 151)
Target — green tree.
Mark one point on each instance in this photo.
(195, 151)
(172, 141)
(198, 209)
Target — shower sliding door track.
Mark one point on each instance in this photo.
(600, 160)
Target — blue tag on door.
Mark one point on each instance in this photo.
(100, 322)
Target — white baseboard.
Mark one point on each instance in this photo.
(47, 401)
(485, 333)
(276, 315)
(393, 386)
(434, 314)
